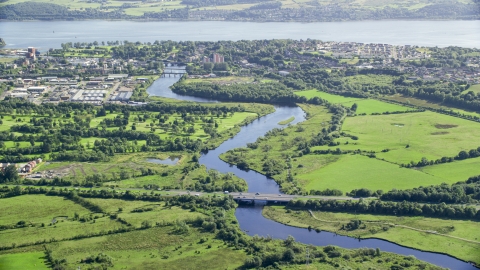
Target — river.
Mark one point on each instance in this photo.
(251, 219)
(50, 34)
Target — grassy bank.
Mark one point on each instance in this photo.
(384, 227)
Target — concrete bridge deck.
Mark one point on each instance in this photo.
(246, 196)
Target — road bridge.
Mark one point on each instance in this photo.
(279, 198)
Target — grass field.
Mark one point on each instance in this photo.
(427, 134)
(377, 80)
(427, 104)
(367, 106)
(350, 172)
(23, 261)
(26, 208)
(7, 59)
(156, 248)
(455, 171)
(474, 88)
(374, 228)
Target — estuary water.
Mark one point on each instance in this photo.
(50, 34)
(250, 218)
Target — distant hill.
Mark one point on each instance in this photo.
(244, 10)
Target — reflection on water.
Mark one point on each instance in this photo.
(161, 88)
(168, 161)
(251, 219)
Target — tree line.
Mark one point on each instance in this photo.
(404, 208)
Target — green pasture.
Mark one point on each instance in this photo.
(7, 59)
(23, 261)
(155, 248)
(129, 163)
(113, 205)
(428, 104)
(37, 209)
(367, 106)
(370, 80)
(427, 134)
(62, 229)
(324, 95)
(355, 171)
(160, 213)
(455, 171)
(474, 88)
(374, 228)
(172, 179)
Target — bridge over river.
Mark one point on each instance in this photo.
(279, 198)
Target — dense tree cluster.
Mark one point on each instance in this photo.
(261, 92)
(404, 208)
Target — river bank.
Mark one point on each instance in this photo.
(253, 222)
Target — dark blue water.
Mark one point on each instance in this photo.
(251, 219)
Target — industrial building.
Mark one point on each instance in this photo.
(122, 96)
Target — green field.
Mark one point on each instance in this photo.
(405, 236)
(367, 106)
(427, 134)
(355, 171)
(427, 104)
(474, 88)
(21, 261)
(455, 171)
(324, 95)
(25, 208)
(156, 248)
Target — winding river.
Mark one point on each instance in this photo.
(251, 219)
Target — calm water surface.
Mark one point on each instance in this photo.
(251, 219)
(50, 34)
(167, 161)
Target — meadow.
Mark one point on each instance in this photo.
(383, 227)
(21, 261)
(474, 88)
(25, 208)
(455, 171)
(155, 248)
(427, 104)
(348, 172)
(409, 137)
(365, 106)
